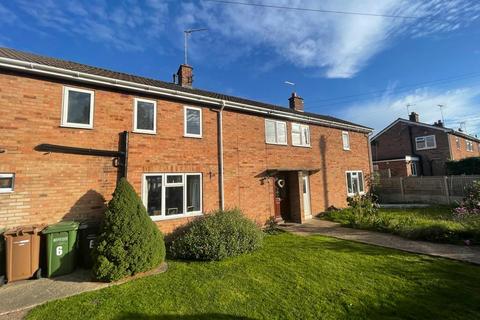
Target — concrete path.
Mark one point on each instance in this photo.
(17, 298)
(333, 229)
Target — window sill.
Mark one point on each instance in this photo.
(193, 136)
(276, 144)
(346, 149)
(354, 194)
(301, 146)
(426, 148)
(177, 216)
(152, 133)
(6, 191)
(72, 126)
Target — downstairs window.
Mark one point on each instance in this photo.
(169, 195)
(355, 183)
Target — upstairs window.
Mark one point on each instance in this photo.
(6, 182)
(346, 140)
(355, 183)
(172, 195)
(145, 116)
(426, 142)
(469, 145)
(457, 142)
(300, 135)
(77, 110)
(275, 132)
(193, 122)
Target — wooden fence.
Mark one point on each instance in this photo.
(435, 190)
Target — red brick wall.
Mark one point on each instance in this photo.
(462, 153)
(51, 187)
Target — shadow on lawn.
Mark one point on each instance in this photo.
(203, 316)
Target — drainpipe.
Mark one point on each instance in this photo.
(220, 138)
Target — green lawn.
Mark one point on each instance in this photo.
(292, 277)
(431, 224)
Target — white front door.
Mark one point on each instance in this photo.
(306, 197)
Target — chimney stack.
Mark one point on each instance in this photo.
(439, 123)
(184, 76)
(414, 117)
(296, 102)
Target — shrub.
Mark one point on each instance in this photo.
(470, 205)
(129, 241)
(465, 166)
(271, 226)
(215, 236)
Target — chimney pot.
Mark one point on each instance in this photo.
(185, 76)
(296, 102)
(414, 117)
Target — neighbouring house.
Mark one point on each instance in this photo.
(69, 131)
(412, 148)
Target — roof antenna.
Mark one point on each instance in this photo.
(441, 106)
(408, 108)
(186, 33)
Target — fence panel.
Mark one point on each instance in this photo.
(435, 190)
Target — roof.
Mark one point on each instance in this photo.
(447, 130)
(77, 67)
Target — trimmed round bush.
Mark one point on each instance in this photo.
(129, 241)
(215, 236)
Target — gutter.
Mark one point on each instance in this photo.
(36, 68)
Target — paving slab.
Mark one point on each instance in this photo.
(332, 229)
(17, 298)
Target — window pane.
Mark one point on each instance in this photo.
(154, 198)
(6, 183)
(421, 143)
(430, 141)
(355, 183)
(193, 121)
(306, 135)
(281, 132)
(349, 183)
(270, 131)
(346, 141)
(178, 178)
(78, 107)
(193, 193)
(360, 182)
(145, 115)
(173, 200)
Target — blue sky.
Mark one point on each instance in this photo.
(361, 68)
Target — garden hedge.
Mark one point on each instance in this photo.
(465, 166)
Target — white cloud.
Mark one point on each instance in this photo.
(125, 25)
(340, 45)
(461, 104)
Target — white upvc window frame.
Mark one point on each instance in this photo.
(183, 184)
(305, 141)
(352, 172)
(458, 143)
(414, 168)
(64, 118)
(417, 139)
(185, 133)
(469, 145)
(346, 138)
(135, 116)
(276, 124)
(11, 176)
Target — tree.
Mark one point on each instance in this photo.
(129, 241)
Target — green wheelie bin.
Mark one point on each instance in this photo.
(61, 246)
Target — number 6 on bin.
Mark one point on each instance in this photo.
(59, 250)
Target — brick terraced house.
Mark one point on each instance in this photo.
(69, 131)
(412, 148)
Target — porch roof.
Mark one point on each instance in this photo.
(274, 170)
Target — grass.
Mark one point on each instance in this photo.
(434, 224)
(291, 277)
